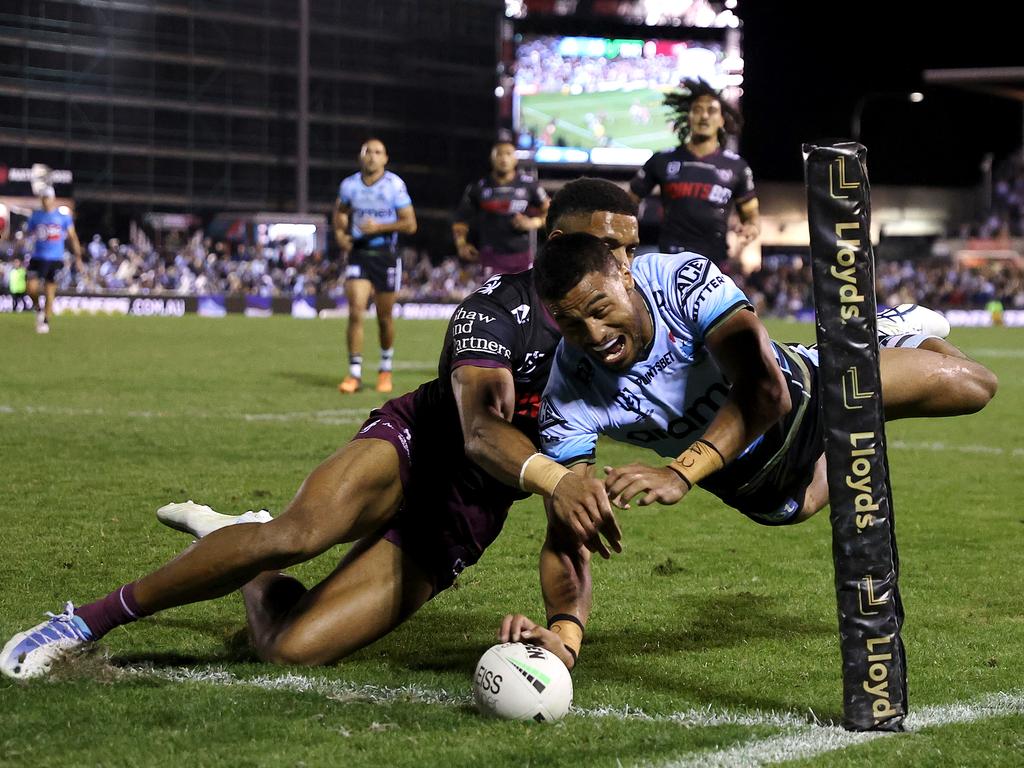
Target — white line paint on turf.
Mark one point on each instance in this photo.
(800, 738)
(996, 352)
(331, 689)
(808, 741)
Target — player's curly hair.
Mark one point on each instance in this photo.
(679, 103)
(565, 260)
(587, 195)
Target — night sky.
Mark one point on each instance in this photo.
(804, 74)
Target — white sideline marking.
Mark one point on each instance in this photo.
(809, 741)
(800, 738)
(337, 416)
(996, 352)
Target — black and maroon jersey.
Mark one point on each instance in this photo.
(696, 194)
(502, 325)
(488, 207)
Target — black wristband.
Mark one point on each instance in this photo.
(674, 466)
(566, 617)
(712, 446)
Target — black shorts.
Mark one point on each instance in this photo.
(769, 483)
(382, 268)
(43, 269)
(447, 517)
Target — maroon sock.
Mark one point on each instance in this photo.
(117, 608)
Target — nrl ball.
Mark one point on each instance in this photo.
(518, 681)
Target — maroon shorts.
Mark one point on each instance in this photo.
(451, 512)
(504, 263)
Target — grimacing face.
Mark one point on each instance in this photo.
(619, 231)
(601, 316)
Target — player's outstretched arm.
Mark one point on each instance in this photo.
(757, 399)
(486, 399)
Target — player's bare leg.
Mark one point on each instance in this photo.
(935, 379)
(374, 589)
(51, 297)
(386, 325)
(349, 496)
(358, 293)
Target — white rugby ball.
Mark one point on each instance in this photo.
(518, 681)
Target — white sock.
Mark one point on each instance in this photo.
(355, 366)
(387, 357)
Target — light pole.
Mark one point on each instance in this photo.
(915, 97)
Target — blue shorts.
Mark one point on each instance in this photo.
(768, 483)
(382, 268)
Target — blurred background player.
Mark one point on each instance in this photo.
(502, 208)
(50, 228)
(372, 209)
(700, 180)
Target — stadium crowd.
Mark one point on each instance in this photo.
(781, 288)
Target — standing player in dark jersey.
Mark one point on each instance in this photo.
(423, 489)
(505, 206)
(700, 180)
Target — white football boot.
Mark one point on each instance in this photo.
(31, 653)
(201, 520)
(912, 319)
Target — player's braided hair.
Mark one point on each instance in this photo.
(587, 195)
(565, 260)
(679, 103)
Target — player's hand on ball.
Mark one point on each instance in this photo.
(581, 504)
(517, 628)
(652, 484)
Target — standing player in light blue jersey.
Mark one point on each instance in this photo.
(50, 228)
(671, 356)
(372, 209)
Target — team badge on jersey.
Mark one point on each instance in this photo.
(692, 274)
(548, 417)
(521, 312)
(490, 286)
(673, 167)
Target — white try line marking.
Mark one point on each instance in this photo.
(809, 741)
(800, 739)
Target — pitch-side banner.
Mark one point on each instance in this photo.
(863, 536)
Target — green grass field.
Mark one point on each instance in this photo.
(570, 115)
(712, 642)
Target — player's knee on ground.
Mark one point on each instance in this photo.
(295, 649)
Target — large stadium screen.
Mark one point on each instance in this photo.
(598, 100)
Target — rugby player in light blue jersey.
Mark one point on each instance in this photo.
(372, 209)
(671, 356)
(49, 227)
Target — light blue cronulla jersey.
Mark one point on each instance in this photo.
(50, 230)
(380, 201)
(668, 398)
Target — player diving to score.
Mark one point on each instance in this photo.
(671, 356)
(422, 489)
